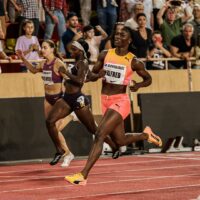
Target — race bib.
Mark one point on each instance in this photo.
(115, 73)
(47, 77)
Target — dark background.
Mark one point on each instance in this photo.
(171, 115)
(23, 134)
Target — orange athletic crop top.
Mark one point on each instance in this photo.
(118, 68)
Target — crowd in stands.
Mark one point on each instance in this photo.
(161, 28)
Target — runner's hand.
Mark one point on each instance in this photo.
(134, 87)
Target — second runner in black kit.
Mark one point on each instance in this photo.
(74, 100)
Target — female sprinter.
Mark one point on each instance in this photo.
(53, 92)
(74, 100)
(119, 64)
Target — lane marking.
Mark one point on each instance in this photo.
(128, 192)
(105, 182)
(172, 157)
(107, 172)
(167, 157)
(80, 166)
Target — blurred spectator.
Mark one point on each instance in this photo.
(196, 22)
(3, 15)
(29, 9)
(157, 5)
(182, 46)
(110, 41)
(171, 26)
(73, 32)
(86, 8)
(11, 6)
(124, 13)
(28, 43)
(136, 9)
(148, 10)
(55, 12)
(2, 54)
(142, 37)
(2, 35)
(157, 50)
(107, 14)
(94, 41)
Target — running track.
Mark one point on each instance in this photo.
(139, 177)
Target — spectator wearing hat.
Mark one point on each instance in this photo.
(94, 41)
(73, 32)
(55, 12)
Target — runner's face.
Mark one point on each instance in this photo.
(74, 51)
(119, 27)
(46, 49)
(122, 38)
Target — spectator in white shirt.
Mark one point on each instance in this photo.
(94, 41)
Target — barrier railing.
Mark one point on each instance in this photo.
(35, 61)
(166, 60)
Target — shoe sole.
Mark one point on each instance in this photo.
(156, 140)
(82, 183)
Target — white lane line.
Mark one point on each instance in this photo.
(30, 179)
(129, 192)
(107, 164)
(80, 166)
(171, 157)
(148, 169)
(106, 182)
(107, 172)
(163, 159)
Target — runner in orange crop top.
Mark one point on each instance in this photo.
(118, 65)
(118, 68)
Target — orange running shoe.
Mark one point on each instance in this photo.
(153, 138)
(76, 179)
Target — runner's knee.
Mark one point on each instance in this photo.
(100, 135)
(50, 122)
(119, 142)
